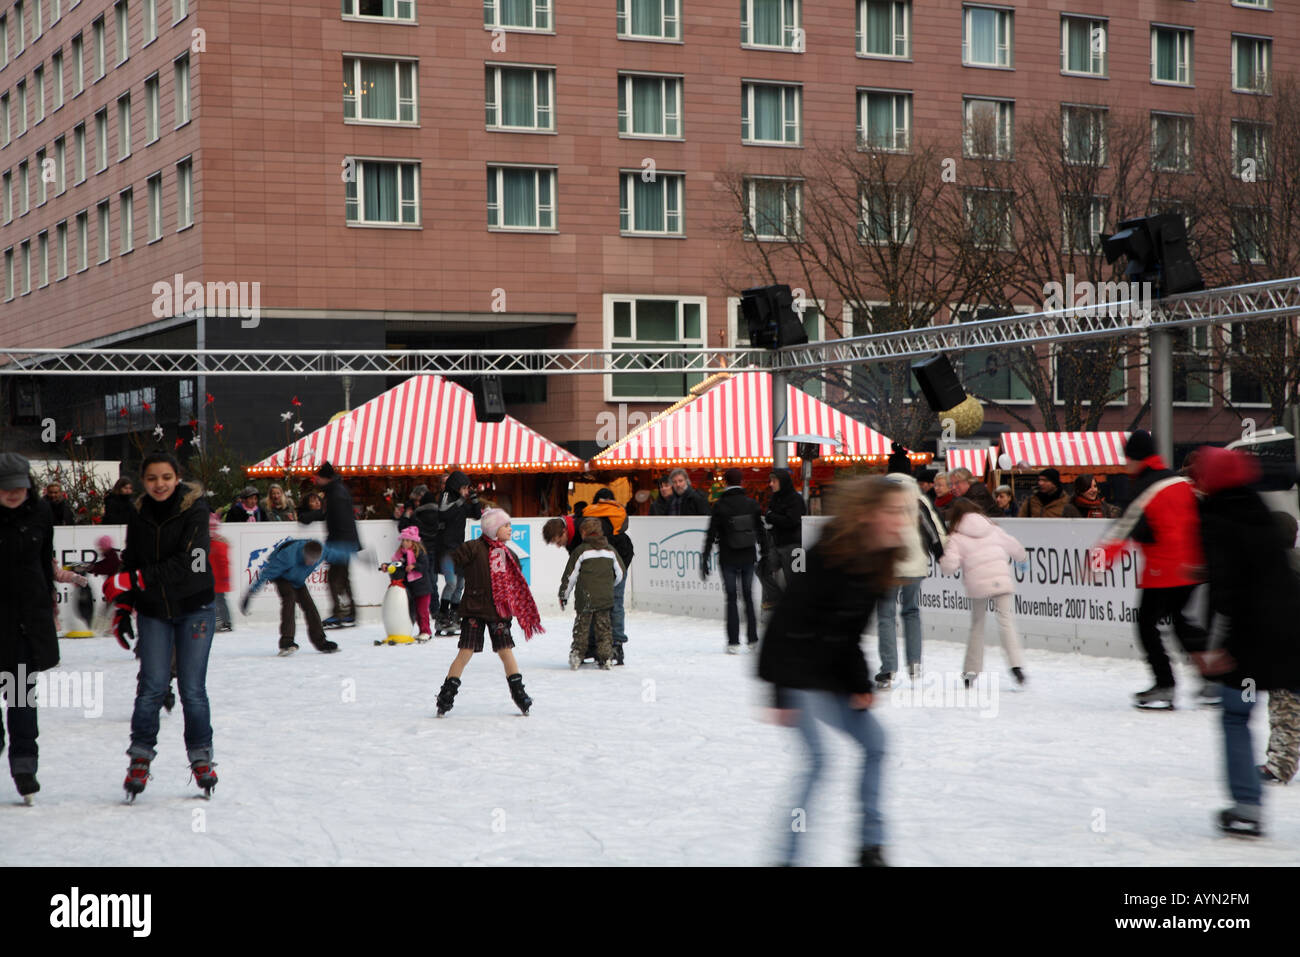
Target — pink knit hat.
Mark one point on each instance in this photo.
(104, 543)
(492, 521)
(411, 533)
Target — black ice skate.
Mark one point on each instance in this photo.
(204, 776)
(1231, 822)
(27, 786)
(1155, 698)
(1019, 675)
(137, 776)
(287, 650)
(871, 857)
(447, 696)
(517, 692)
(884, 679)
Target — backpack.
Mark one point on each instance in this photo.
(740, 532)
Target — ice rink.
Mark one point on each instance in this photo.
(338, 759)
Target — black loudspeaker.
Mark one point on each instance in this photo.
(770, 317)
(942, 389)
(489, 405)
(1157, 252)
(807, 451)
(24, 402)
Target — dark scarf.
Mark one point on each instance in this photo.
(1047, 498)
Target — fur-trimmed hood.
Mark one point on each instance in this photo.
(190, 493)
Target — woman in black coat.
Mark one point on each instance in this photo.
(812, 652)
(166, 557)
(117, 503)
(1251, 613)
(28, 641)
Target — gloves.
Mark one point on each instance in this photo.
(243, 602)
(122, 627)
(704, 567)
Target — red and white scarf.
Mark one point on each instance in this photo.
(510, 592)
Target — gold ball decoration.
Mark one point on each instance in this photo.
(967, 417)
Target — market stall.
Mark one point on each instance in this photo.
(1024, 454)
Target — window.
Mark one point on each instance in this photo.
(61, 250)
(38, 92)
(1083, 135)
(1171, 55)
(811, 318)
(78, 66)
(1250, 234)
(987, 37)
(155, 206)
(1251, 149)
(886, 217)
(1191, 365)
(4, 119)
(79, 153)
(24, 189)
(101, 225)
(4, 55)
(1254, 4)
(519, 98)
(517, 14)
(9, 273)
(769, 113)
(988, 126)
(649, 20)
(988, 372)
(771, 23)
(56, 63)
(21, 23)
(184, 194)
(1083, 361)
(42, 177)
(8, 197)
(120, 22)
(181, 69)
(1244, 386)
(101, 140)
(150, 18)
(38, 27)
(1252, 59)
(181, 9)
(1171, 142)
(650, 205)
(60, 165)
(1083, 220)
(649, 105)
(988, 216)
(56, 10)
(653, 322)
(885, 120)
(151, 118)
(378, 91)
(27, 266)
(83, 240)
(384, 193)
(42, 252)
(520, 198)
(123, 126)
(885, 28)
(126, 218)
(97, 49)
(774, 209)
(370, 9)
(21, 88)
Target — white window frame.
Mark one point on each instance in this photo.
(38, 22)
(149, 24)
(792, 33)
(7, 185)
(1195, 332)
(1052, 352)
(1256, 211)
(153, 197)
(184, 193)
(101, 139)
(735, 320)
(900, 16)
(4, 40)
(1254, 4)
(83, 240)
(1186, 67)
(20, 20)
(627, 203)
(79, 153)
(354, 60)
(1098, 116)
(747, 113)
(1006, 46)
(623, 17)
(42, 254)
(553, 207)
(24, 189)
(608, 301)
(1009, 233)
(1098, 45)
(41, 191)
(103, 229)
(1263, 62)
(181, 81)
(180, 10)
(99, 51)
(152, 109)
(1263, 165)
(20, 88)
(493, 99)
(1184, 152)
(126, 221)
(749, 231)
(901, 231)
(1004, 147)
(403, 202)
(124, 127)
(900, 140)
(56, 61)
(672, 112)
(38, 92)
(350, 11)
(1098, 205)
(542, 10)
(61, 251)
(122, 31)
(60, 165)
(1226, 332)
(78, 65)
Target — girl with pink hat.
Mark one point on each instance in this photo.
(419, 584)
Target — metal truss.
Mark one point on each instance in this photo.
(1229, 304)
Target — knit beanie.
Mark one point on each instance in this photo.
(1140, 446)
(492, 521)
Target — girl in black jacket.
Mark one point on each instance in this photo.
(166, 557)
(28, 642)
(811, 652)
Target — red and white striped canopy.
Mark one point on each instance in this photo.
(426, 423)
(731, 423)
(1064, 449)
(977, 460)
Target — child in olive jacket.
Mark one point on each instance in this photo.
(595, 570)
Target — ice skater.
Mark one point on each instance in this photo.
(1283, 753)
(220, 555)
(289, 566)
(595, 570)
(812, 652)
(495, 592)
(984, 552)
(419, 576)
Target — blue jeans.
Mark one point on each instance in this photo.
(887, 624)
(454, 584)
(1243, 778)
(191, 637)
(740, 578)
(832, 708)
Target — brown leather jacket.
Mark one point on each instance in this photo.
(471, 560)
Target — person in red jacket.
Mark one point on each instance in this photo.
(219, 555)
(1164, 520)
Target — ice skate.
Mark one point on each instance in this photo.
(914, 673)
(287, 650)
(871, 857)
(733, 649)
(618, 652)
(1155, 698)
(884, 679)
(516, 682)
(605, 664)
(1019, 675)
(27, 786)
(326, 647)
(447, 695)
(1232, 821)
(204, 776)
(575, 660)
(137, 776)
(422, 637)
(968, 678)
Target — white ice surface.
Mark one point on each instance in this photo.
(666, 761)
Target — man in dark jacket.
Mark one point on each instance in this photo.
(457, 505)
(963, 482)
(246, 508)
(1253, 605)
(662, 504)
(785, 520)
(736, 527)
(686, 500)
(342, 539)
(60, 511)
(1049, 501)
(28, 642)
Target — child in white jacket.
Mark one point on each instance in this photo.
(983, 552)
